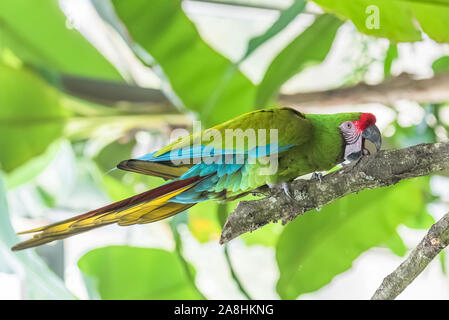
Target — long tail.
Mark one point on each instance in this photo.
(149, 206)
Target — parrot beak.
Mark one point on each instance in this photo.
(372, 134)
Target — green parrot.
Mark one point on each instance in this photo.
(225, 162)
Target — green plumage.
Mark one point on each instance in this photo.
(307, 143)
(315, 141)
(322, 151)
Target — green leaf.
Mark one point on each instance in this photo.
(112, 154)
(267, 236)
(204, 80)
(286, 16)
(120, 184)
(309, 48)
(395, 20)
(413, 135)
(37, 32)
(207, 218)
(390, 56)
(46, 197)
(116, 189)
(203, 221)
(441, 64)
(433, 17)
(122, 272)
(31, 117)
(421, 221)
(396, 245)
(319, 245)
(41, 282)
(442, 257)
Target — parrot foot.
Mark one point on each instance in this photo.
(317, 176)
(284, 186)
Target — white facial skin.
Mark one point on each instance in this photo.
(353, 138)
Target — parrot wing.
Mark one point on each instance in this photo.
(170, 161)
(292, 125)
(235, 173)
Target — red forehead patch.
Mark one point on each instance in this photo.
(366, 120)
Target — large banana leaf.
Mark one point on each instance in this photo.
(122, 272)
(398, 20)
(31, 116)
(38, 33)
(204, 80)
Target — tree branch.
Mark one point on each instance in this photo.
(404, 86)
(385, 168)
(436, 240)
(113, 93)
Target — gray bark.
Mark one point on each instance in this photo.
(436, 240)
(404, 86)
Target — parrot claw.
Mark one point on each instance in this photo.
(284, 186)
(287, 191)
(317, 176)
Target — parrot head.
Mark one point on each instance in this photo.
(356, 132)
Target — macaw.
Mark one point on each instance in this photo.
(201, 169)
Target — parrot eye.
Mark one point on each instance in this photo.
(346, 126)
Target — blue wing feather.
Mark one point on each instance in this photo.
(226, 174)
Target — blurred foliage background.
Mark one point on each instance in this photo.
(86, 84)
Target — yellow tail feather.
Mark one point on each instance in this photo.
(144, 212)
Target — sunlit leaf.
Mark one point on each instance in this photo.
(112, 154)
(38, 33)
(442, 257)
(204, 80)
(395, 20)
(46, 197)
(120, 184)
(441, 64)
(396, 245)
(391, 55)
(309, 48)
(267, 236)
(203, 221)
(116, 189)
(319, 245)
(413, 135)
(285, 17)
(122, 272)
(421, 221)
(207, 218)
(31, 117)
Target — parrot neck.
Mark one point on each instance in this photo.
(327, 148)
(321, 153)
